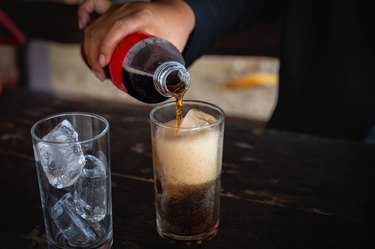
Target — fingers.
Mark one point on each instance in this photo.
(103, 36)
(89, 7)
(94, 35)
(92, 38)
(84, 12)
(119, 30)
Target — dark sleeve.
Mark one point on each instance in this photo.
(214, 19)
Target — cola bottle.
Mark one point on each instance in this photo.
(148, 68)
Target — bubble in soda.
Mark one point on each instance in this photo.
(90, 193)
(61, 157)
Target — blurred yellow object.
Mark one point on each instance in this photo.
(252, 80)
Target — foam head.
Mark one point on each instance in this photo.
(189, 156)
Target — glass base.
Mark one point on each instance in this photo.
(188, 240)
(105, 244)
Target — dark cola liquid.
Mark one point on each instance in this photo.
(188, 210)
(141, 87)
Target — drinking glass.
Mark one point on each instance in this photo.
(72, 156)
(187, 164)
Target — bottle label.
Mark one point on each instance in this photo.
(119, 54)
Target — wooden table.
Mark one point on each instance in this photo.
(279, 190)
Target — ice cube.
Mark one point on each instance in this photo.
(195, 118)
(61, 158)
(90, 195)
(72, 226)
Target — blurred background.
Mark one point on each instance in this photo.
(45, 56)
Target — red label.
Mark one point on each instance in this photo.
(119, 54)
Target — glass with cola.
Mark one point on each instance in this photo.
(73, 167)
(187, 164)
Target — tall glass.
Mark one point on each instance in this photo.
(73, 166)
(187, 166)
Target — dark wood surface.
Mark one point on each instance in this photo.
(279, 189)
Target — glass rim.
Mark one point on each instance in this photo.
(219, 120)
(87, 114)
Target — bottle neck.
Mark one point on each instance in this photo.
(170, 77)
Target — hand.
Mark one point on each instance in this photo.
(172, 20)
